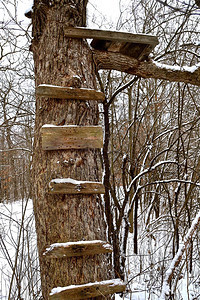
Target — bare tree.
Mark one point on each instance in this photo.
(17, 105)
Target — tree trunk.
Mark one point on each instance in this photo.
(65, 218)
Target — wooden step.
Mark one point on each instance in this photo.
(59, 92)
(81, 248)
(89, 290)
(116, 36)
(137, 46)
(71, 137)
(71, 186)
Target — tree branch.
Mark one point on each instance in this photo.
(177, 259)
(146, 69)
(170, 6)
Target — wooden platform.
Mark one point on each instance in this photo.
(88, 290)
(59, 92)
(81, 248)
(71, 186)
(138, 46)
(71, 137)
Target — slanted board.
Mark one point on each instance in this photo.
(134, 45)
(134, 50)
(71, 137)
(80, 248)
(88, 290)
(59, 92)
(71, 186)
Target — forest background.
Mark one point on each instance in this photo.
(153, 150)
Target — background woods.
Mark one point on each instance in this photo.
(151, 156)
(17, 105)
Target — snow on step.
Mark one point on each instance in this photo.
(88, 290)
(60, 92)
(80, 248)
(71, 137)
(71, 186)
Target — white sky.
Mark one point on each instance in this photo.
(100, 10)
(109, 9)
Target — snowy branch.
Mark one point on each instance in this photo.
(177, 259)
(172, 180)
(145, 171)
(146, 69)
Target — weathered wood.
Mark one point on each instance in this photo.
(71, 186)
(135, 50)
(71, 137)
(147, 69)
(116, 36)
(59, 92)
(137, 46)
(81, 248)
(88, 290)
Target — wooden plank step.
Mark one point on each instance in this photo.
(137, 46)
(80, 248)
(116, 36)
(71, 186)
(88, 290)
(59, 92)
(71, 137)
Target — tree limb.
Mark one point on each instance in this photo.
(177, 259)
(146, 69)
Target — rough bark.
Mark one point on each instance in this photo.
(197, 3)
(146, 69)
(65, 218)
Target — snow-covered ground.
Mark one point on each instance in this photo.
(20, 269)
(18, 247)
(18, 251)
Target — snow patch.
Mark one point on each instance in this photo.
(79, 243)
(70, 180)
(68, 87)
(191, 69)
(108, 246)
(113, 282)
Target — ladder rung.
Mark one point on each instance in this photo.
(80, 248)
(59, 92)
(88, 290)
(71, 137)
(71, 186)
